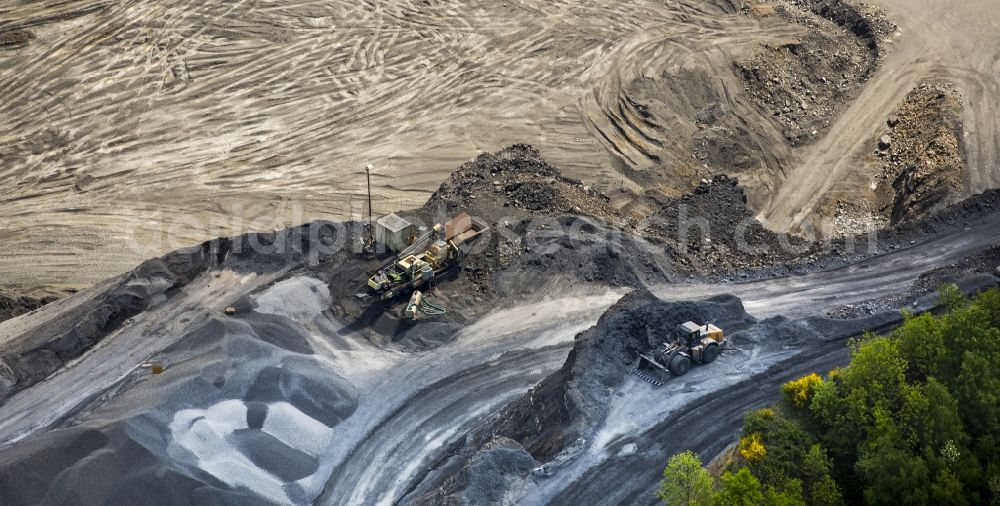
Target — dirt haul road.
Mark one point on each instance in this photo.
(621, 466)
(954, 41)
(396, 412)
(136, 128)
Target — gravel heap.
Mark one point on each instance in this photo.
(805, 83)
(712, 229)
(918, 160)
(516, 183)
(16, 306)
(573, 402)
(510, 190)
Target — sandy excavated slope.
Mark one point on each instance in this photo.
(956, 41)
(134, 128)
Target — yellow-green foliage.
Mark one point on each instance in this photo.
(914, 419)
(799, 392)
(752, 447)
(835, 374)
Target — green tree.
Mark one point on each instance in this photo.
(786, 443)
(685, 482)
(978, 393)
(989, 301)
(878, 369)
(929, 417)
(892, 473)
(825, 492)
(950, 297)
(921, 344)
(816, 464)
(816, 468)
(966, 331)
(788, 493)
(739, 489)
(913, 420)
(947, 490)
(842, 418)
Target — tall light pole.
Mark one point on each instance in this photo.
(371, 224)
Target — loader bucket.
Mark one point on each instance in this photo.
(651, 371)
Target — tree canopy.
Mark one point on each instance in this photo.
(914, 419)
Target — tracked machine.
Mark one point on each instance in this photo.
(428, 257)
(691, 344)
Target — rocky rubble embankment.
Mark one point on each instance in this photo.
(513, 190)
(918, 162)
(805, 82)
(16, 306)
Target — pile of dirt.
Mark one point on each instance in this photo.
(918, 162)
(16, 306)
(806, 82)
(247, 377)
(567, 406)
(708, 233)
(691, 128)
(516, 182)
(712, 230)
(514, 191)
(574, 399)
(13, 38)
(483, 479)
(723, 142)
(915, 166)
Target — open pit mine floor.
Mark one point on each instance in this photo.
(144, 370)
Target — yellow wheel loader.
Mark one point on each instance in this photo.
(691, 344)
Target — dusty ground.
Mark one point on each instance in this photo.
(134, 129)
(917, 164)
(131, 126)
(953, 41)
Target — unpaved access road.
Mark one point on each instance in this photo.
(708, 403)
(954, 41)
(412, 406)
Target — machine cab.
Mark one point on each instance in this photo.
(691, 333)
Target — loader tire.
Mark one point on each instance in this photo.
(710, 354)
(679, 365)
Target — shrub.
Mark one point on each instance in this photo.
(752, 447)
(799, 392)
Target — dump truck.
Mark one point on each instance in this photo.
(690, 344)
(429, 256)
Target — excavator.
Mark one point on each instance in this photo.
(691, 343)
(429, 256)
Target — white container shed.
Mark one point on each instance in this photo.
(394, 232)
